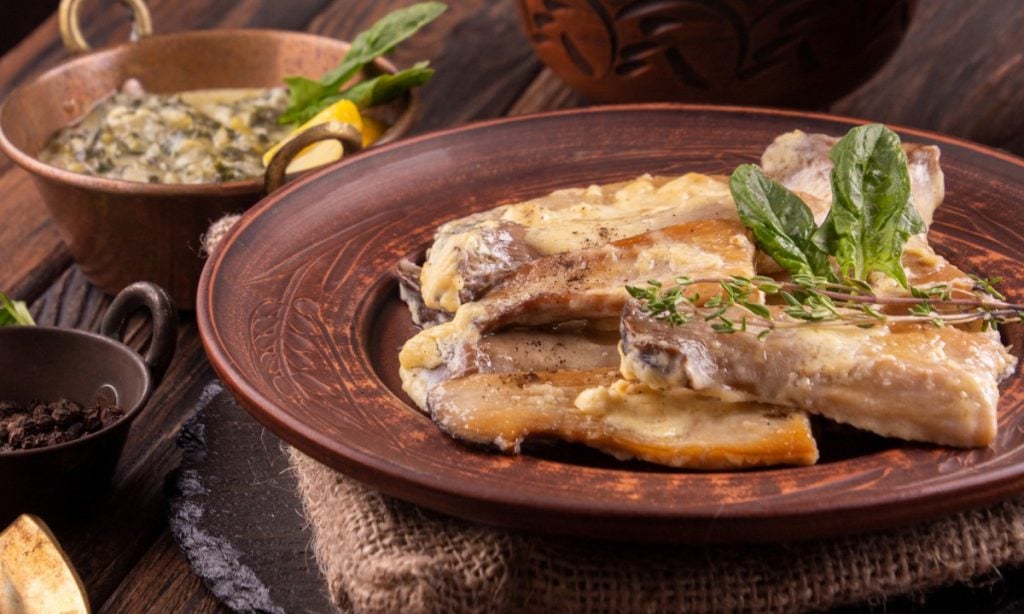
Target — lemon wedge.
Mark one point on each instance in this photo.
(324, 152)
(372, 130)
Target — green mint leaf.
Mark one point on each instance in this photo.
(782, 224)
(871, 216)
(367, 46)
(381, 38)
(304, 93)
(385, 88)
(14, 313)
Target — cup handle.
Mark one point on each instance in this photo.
(153, 298)
(71, 32)
(346, 134)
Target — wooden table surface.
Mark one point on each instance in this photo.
(960, 71)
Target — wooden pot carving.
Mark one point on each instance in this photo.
(795, 53)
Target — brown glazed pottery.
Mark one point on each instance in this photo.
(45, 364)
(119, 231)
(793, 53)
(299, 313)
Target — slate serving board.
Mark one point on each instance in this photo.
(236, 515)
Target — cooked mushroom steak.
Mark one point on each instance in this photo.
(628, 420)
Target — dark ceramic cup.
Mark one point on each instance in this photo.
(42, 363)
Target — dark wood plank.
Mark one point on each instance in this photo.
(42, 49)
(545, 93)
(951, 74)
(106, 542)
(71, 302)
(960, 71)
(105, 25)
(32, 251)
(121, 549)
(133, 514)
(162, 582)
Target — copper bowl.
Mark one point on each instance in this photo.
(42, 363)
(118, 231)
(795, 53)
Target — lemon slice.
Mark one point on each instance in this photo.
(373, 129)
(35, 574)
(328, 151)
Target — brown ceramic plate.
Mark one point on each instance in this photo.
(300, 316)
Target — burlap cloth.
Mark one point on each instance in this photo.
(383, 555)
(380, 554)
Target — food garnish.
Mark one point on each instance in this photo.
(782, 224)
(871, 216)
(817, 301)
(14, 313)
(920, 383)
(830, 265)
(309, 97)
(328, 151)
(826, 247)
(209, 136)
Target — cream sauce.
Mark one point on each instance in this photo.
(203, 136)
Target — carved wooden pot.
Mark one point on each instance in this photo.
(792, 53)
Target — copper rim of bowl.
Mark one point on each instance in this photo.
(129, 414)
(120, 186)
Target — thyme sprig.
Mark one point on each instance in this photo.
(864, 234)
(809, 300)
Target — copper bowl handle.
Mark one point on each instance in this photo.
(346, 134)
(71, 33)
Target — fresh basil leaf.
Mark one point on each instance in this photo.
(14, 313)
(303, 93)
(782, 224)
(871, 216)
(385, 88)
(369, 93)
(379, 39)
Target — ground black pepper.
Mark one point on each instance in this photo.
(39, 424)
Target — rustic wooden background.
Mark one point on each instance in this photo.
(960, 70)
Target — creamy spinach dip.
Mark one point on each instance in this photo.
(203, 136)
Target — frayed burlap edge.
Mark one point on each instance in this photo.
(383, 555)
(216, 232)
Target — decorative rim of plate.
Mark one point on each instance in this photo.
(384, 474)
